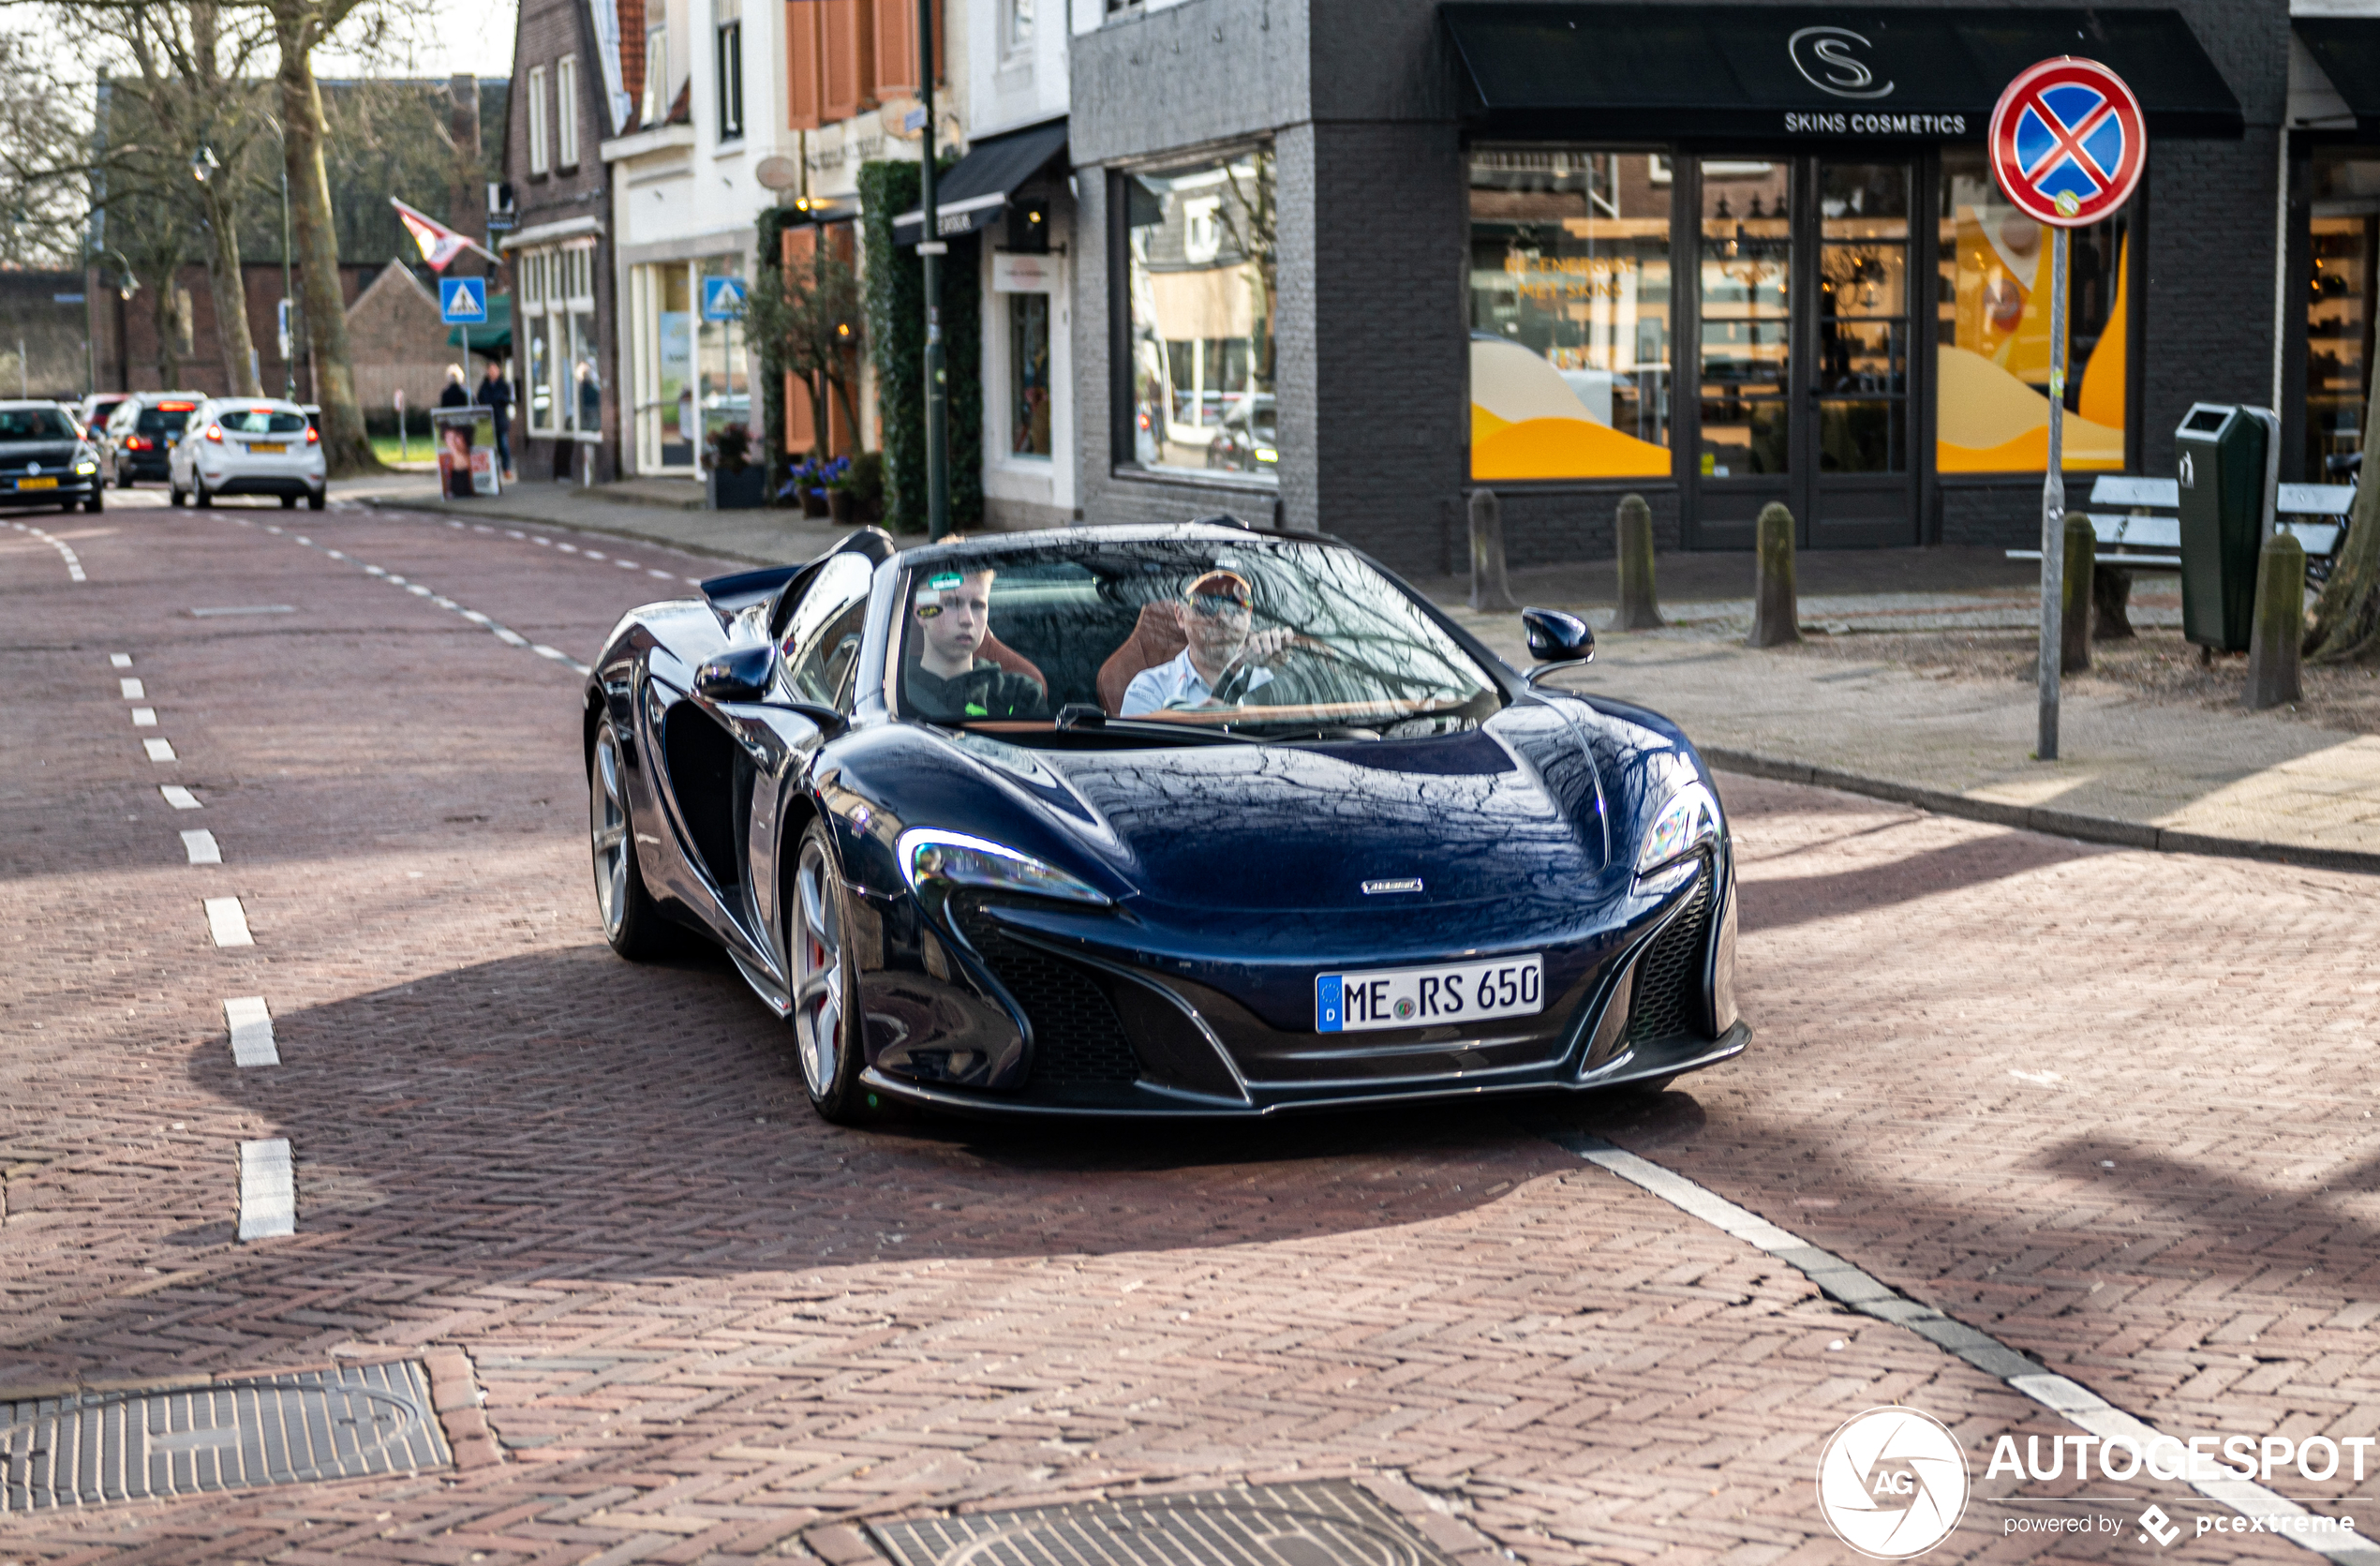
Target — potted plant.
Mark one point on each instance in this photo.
(732, 480)
(838, 494)
(865, 483)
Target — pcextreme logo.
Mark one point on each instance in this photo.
(1892, 1483)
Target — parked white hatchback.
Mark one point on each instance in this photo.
(248, 446)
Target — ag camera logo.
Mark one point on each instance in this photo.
(1892, 1483)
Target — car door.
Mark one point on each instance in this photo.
(818, 653)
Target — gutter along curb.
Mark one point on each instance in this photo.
(2034, 818)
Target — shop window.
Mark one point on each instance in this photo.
(1570, 324)
(1197, 356)
(537, 159)
(2345, 194)
(1028, 373)
(1991, 375)
(566, 111)
(727, 31)
(722, 379)
(1743, 261)
(1862, 318)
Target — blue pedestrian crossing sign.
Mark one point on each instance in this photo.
(722, 298)
(462, 301)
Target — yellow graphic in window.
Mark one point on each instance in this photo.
(1530, 421)
(1992, 408)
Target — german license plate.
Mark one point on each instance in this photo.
(1425, 998)
(268, 448)
(37, 484)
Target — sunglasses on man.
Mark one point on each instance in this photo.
(1210, 605)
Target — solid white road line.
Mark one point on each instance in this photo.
(201, 846)
(268, 1189)
(159, 750)
(179, 798)
(251, 1027)
(1851, 1287)
(228, 922)
(119, 659)
(145, 717)
(133, 690)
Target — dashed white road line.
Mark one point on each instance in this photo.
(201, 847)
(251, 1027)
(66, 553)
(179, 798)
(133, 690)
(418, 589)
(159, 750)
(145, 717)
(1858, 1291)
(268, 1189)
(119, 659)
(228, 922)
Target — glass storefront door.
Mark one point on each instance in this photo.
(1803, 331)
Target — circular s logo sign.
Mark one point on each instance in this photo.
(1829, 60)
(1892, 1483)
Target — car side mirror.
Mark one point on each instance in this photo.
(1556, 639)
(739, 676)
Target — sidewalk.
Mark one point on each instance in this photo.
(2174, 776)
(653, 511)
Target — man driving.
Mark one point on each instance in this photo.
(950, 683)
(1215, 618)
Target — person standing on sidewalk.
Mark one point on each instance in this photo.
(496, 395)
(456, 394)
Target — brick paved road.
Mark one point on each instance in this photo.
(706, 1326)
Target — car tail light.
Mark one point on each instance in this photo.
(313, 436)
(215, 433)
(137, 443)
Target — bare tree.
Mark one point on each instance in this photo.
(45, 140)
(2346, 618)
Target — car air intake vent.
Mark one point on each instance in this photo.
(1669, 977)
(1078, 1038)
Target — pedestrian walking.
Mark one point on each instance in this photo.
(456, 394)
(496, 395)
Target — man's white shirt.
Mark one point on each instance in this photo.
(1175, 682)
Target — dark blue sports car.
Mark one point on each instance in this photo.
(1173, 820)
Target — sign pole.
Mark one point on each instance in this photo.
(2053, 505)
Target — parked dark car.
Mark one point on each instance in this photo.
(44, 459)
(997, 829)
(140, 434)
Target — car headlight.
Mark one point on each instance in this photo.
(86, 468)
(955, 860)
(1688, 823)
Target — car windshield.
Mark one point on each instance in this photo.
(1266, 638)
(259, 421)
(166, 417)
(34, 424)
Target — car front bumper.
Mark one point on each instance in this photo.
(80, 487)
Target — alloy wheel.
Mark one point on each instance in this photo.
(818, 970)
(607, 831)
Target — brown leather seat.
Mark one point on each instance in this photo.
(1156, 636)
(1010, 658)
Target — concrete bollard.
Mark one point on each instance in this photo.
(2073, 611)
(1775, 609)
(1489, 588)
(1639, 610)
(2279, 630)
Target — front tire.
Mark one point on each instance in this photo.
(825, 1022)
(98, 500)
(174, 496)
(633, 923)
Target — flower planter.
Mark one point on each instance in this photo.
(746, 489)
(839, 507)
(813, 503)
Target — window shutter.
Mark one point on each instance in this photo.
(848, 51)
(803, 99)
(896, 61)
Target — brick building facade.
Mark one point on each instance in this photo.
(1327, 234)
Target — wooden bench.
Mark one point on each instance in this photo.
(2146, 535)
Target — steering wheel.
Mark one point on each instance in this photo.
(1233, 690)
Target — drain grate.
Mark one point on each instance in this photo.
(338, 1423)
(1332, 1523)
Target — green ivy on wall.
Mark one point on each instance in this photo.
(894, 280)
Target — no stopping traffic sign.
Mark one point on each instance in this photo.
(2067, 141)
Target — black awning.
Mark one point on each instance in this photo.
(2347, 48)
(1659, 72)
(976, 189)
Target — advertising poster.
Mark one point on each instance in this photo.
(466, 451)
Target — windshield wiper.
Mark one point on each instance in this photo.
(1083, 718)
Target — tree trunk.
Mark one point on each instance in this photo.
(2347, 619)
(229, 279)
(344, 444)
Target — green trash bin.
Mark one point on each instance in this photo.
(2219, 463)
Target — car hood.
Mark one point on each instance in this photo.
(1510, 809)
(50, 453)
